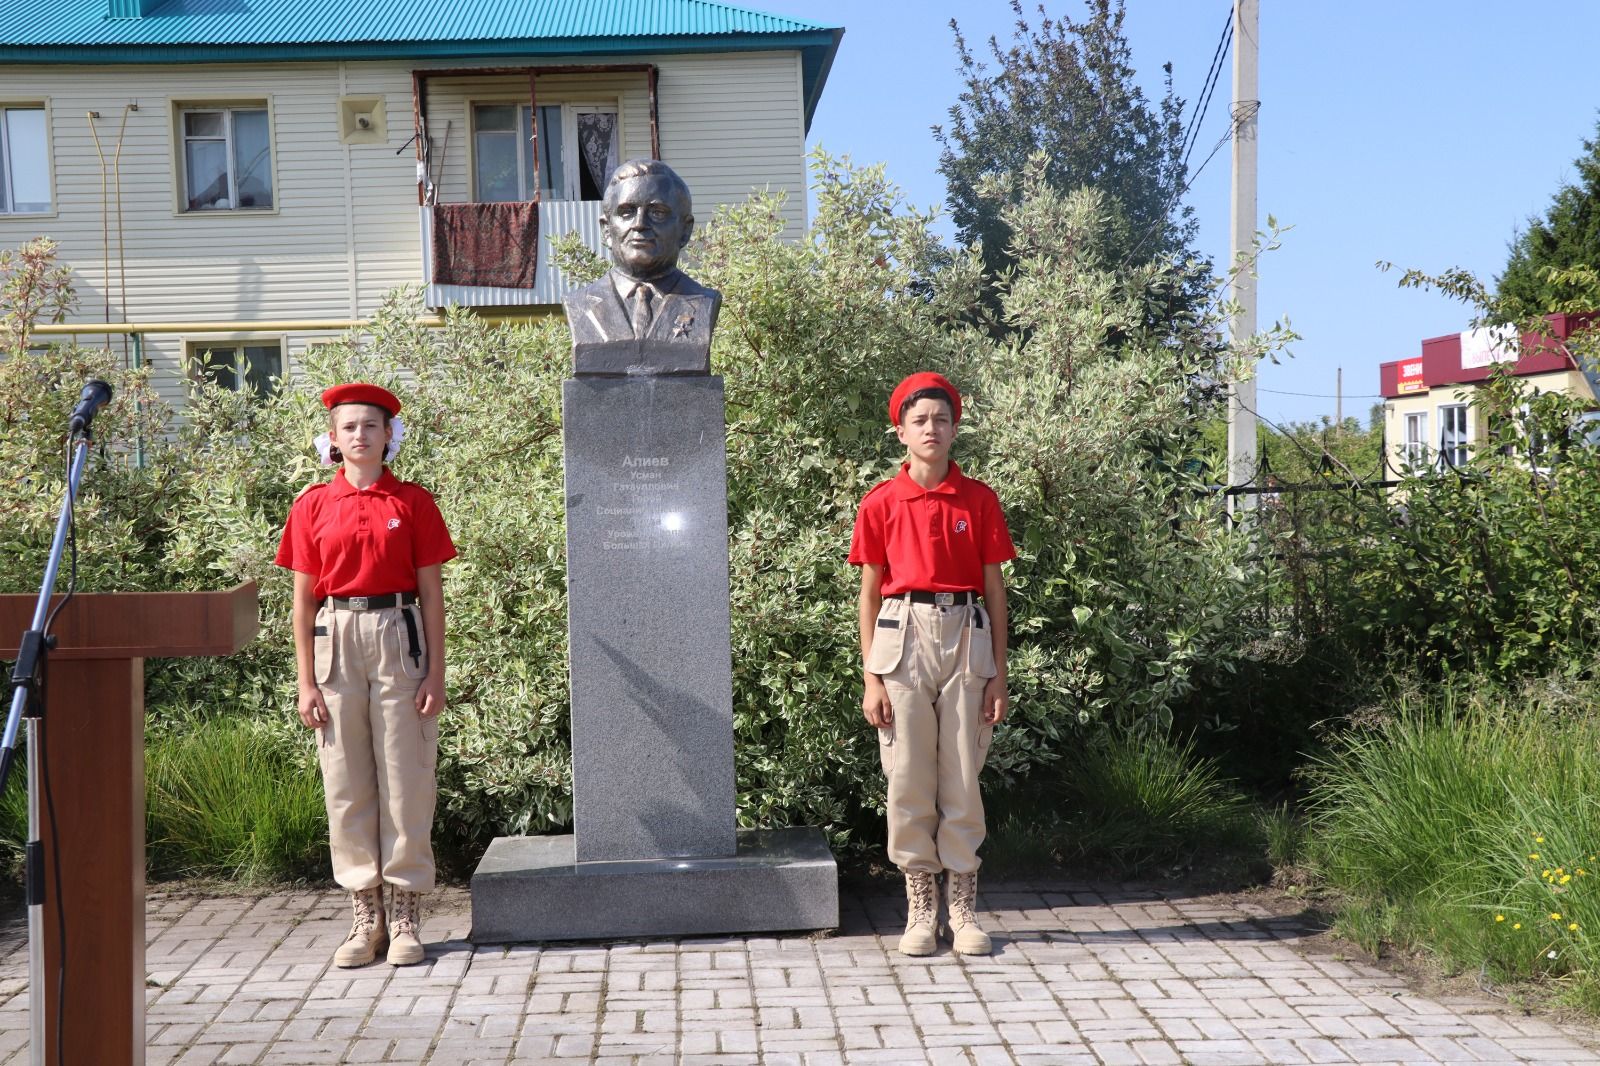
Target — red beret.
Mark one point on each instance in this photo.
(915, 384)
(359, 392)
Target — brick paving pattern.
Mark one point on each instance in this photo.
(1081, 974)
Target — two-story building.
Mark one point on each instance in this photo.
(233, 181)
(1428, 413)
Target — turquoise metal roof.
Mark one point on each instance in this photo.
(213, 31)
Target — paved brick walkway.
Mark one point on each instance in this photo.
(1081, 975)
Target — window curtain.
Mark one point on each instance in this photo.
(597, 142)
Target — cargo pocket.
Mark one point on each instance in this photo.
(322, 648)
(886, 749)
(888, 639)
(980, 646)
(408, 634)
(430, 741)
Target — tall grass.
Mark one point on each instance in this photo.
(227, 798)
(1146, 799)
(1129, 803)
(1472, 823)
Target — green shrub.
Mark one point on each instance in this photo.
(1483, 569)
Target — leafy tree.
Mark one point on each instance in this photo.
(1066, 89)
(1568, 237)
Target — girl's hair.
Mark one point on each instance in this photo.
(927, 394)
(333, 449)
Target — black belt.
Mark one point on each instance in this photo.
(372, 603)
(378, 603)
(939, 599)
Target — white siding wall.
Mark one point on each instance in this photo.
(345, 226)
(734, 123)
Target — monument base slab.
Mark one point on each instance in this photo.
(531, 888)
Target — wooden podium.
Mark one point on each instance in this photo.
(93, 732)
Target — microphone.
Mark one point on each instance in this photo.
(95, 395)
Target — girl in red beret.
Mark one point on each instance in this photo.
(930, 543)
(366, 549)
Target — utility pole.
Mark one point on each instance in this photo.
(1338, 399)
(1242, 395)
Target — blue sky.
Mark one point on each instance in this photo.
(1422, 132)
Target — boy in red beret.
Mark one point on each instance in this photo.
(366, 549)
(930, 544)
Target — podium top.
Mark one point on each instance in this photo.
(139, 625)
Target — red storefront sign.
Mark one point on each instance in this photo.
(1409, 377)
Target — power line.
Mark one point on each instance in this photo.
(1191, 136)
(1325, 395)
(1213, 74)
(1245, 115)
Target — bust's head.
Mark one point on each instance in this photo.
(646, 217)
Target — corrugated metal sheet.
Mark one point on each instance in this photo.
(279, 31)
(231, 22)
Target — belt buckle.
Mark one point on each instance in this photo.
(358, 603)
(944, 599)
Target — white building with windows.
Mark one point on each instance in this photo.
(1429, 419)
(243, 180)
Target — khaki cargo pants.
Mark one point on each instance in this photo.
(377, 753)
(935, 661)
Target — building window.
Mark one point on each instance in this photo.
(1453, 435)
(255, 366)
(227, 158)
(579, 146)
(24, 161)
(1415, 450)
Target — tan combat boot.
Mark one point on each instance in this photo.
(367, 936)
(405, 928)
(965, 935)
(922, 915)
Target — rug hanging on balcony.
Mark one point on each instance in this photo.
(492, 244)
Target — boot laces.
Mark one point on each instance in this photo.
(963, 894)
(405, 912)
(923, 897)
(366, 912)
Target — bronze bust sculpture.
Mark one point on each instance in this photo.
(645, 316)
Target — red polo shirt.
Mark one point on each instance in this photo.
(933, 540)
(364, 542)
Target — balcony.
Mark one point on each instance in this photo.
(556, 218)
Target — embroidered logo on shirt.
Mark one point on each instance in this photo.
(394, 523)
(961, 525)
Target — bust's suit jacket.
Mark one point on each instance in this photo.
(678, 340)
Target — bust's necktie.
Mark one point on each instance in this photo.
(641, 308)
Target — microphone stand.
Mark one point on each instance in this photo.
(26, 677)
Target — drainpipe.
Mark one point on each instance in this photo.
(138, 363)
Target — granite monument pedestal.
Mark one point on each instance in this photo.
(531, 888)
(655, 851)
